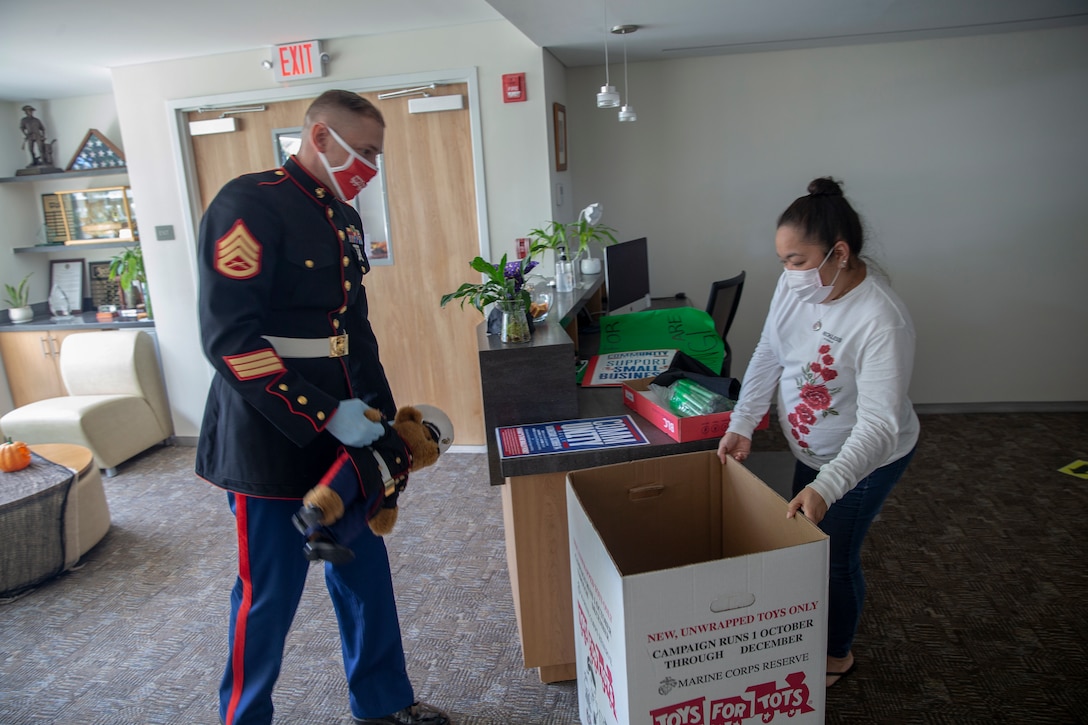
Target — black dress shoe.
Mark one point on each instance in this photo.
(417, 714)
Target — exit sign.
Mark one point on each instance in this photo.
(298, 61)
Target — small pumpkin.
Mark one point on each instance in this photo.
(14, 456)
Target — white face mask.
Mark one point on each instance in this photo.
(807, 285)
(350, 177)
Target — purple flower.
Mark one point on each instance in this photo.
(517, 270)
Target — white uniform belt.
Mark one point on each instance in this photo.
(388, 481)
(309, 347)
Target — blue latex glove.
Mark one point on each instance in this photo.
(352, 427)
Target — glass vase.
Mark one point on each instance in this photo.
(515, 325)
(576, 269)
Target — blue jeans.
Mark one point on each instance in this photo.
(846, 522)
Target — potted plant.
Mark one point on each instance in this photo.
(504, 287)
(588, 229)
(18, 300)
(128, 267)
(575, 237)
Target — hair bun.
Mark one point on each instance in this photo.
(825, 186)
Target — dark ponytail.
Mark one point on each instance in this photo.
(824, 216)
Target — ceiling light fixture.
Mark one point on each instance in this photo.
(627, 112)
(607, 98)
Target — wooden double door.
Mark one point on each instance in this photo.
(429, 353)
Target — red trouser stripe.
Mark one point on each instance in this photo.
(238, 654)
(342, 459)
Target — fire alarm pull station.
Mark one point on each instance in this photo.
(513, 88)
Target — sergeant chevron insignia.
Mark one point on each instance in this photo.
(237, 253)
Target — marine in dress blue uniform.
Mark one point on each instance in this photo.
(281, 273)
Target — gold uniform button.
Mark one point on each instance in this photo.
(309, 263)
(280, 172)
(346, 260)
(283, 387)
(343, 309)
(329, 212)
(336, 324)
(302, 400)
(347, 284)
(319, 192)
(320, 415)
(398, 459)
(342, 235)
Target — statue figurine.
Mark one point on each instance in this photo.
(41, 150)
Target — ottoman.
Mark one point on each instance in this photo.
(87, 517)
(51, 513)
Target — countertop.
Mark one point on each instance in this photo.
(79, 321)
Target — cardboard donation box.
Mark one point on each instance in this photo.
(638, 397)
(696, 601)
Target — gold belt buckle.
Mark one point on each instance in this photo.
(338, 345)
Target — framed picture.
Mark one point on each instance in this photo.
(90, 215)
(103, 291)
(285, 142)
(559, 123)
(371, 203)
(373, 207)
(66, 282)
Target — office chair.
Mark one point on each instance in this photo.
(722, 306)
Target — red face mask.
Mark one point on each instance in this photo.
(353, 175)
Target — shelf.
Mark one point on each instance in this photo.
(47, 248)
(64, 175)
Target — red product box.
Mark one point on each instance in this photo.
(637, 397)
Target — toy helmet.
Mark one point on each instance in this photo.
(439, 424)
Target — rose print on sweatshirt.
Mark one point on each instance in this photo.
(816, 396)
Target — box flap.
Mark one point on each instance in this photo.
(655, 513)
(757, 515)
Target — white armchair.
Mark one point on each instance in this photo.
(116, 404)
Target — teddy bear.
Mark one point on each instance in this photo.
(362, 486)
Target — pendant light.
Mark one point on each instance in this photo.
(607, 98)
(627, 112)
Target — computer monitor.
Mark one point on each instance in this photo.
(627, 276)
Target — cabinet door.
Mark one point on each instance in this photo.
(31, 365)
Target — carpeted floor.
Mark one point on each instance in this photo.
(978, 595)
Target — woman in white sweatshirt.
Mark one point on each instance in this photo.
(838, 344)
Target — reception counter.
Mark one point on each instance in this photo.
(534, 383)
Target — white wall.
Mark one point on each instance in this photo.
(562, 182)
(968, 158)
(516, 172)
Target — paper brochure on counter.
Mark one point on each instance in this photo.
(568, 436)
(696, 601)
